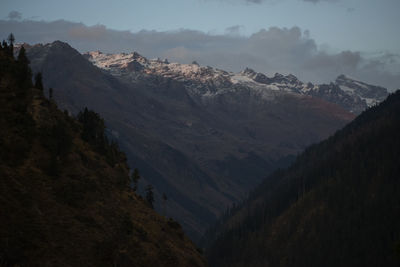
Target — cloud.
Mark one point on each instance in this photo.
(272, 1)
(317, 1)
(284, 50)
(234, 30)
(243, 1)
(342, 62)
(14, 15)
(350, 9)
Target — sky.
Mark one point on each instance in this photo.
(313, 39)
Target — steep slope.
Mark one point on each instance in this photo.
(337, 205)
(200, 138)
(64, 194)
(353, 95)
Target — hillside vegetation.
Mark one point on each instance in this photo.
(65, 198)
(215, 146)
(337, 205)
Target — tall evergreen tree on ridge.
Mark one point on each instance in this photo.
(135, 179)
(11, 40)
(150, 195)
(39, 81)
(25, 72)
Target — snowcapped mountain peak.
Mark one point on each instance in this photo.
(292, 78)
(342, 77)
(249, 72)
(110, 61)
(288, 79)
(353, 95)
(371, 94)
(133, 65)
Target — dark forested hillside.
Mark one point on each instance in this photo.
(65, 198)
(337, 205)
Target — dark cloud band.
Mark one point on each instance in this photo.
(285, 50)
(262, 1)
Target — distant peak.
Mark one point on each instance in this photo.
(61, 44)
(95, 52)
(344, 80)
(343, 77)
(292, 77)
(249, 71)
(136, 55)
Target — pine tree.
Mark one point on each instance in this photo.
(164, 198)
(135, 179)
(150, 195)
(4, 45)
(25, 73)
(11, 40)
(50, 93)
(93, 128)
(39, 81)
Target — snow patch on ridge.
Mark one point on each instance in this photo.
(208, 82)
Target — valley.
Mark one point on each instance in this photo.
(219, 134)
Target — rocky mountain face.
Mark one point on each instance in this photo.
(353, 95)
(202, 136)
(350, 94)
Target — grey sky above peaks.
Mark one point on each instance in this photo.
(261, 1)
(315, 40)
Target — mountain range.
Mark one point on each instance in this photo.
(207, 82)
(202, 136)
